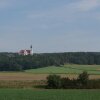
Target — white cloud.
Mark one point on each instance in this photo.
(89, 5)
(6, 3)
(67, 10)
(68, 13)
(86, 5)
(3, 3)
(50, 27)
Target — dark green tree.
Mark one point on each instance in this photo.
(83, 79)
(54, 82)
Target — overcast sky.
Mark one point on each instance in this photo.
(50, 25)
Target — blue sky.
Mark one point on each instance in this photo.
(50, 25)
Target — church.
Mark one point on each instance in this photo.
(26, 52)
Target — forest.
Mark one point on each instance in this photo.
(15, 62)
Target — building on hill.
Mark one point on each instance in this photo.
(26, 52)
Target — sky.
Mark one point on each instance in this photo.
(50, 25)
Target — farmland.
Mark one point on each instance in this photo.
(29, 94)
(24, 85)
(70, 71)
(67, 69)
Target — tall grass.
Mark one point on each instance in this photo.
(21, 84)
(28, 94)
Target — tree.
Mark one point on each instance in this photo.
(83, 79)
(53, 82)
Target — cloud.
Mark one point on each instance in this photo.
(66, 11)
(6, 3)
(88, 5)
(3, 3)
(65, 27)
(85, 5)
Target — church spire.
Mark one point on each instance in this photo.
(31, 48)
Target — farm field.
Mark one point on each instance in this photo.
(29, 94)
(24, 85)
(70, 71)
(67, 69)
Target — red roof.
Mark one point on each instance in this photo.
(23, 51)
(28, 51)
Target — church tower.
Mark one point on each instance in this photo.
(31, 48)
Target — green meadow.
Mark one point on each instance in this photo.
(66, 69)
(19, 89)
(29, 94)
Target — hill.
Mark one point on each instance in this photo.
(67, 69)
(15, 62)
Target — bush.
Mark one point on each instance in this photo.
(53, 82)
(82, 82)
(93, 84)
(65, 83)
(83, 79)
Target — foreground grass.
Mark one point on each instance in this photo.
(29, 94)
(67, 69)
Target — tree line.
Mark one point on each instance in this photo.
(81, 82)
(15, 62)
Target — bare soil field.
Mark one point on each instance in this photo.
(30, 77)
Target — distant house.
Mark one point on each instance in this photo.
(26, 52)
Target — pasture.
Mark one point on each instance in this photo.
(29, 94)
(67, 69)
(24, 85)
(70, 71)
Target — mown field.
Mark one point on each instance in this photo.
(67, 69)
(70, 71)
(27, 85)
(29, 94)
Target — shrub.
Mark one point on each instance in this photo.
(83, 79)
(54, 81)
(94, 84)
(82, 82)
(65, 83)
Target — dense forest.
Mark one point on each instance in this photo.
(15, 62)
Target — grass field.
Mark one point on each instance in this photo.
(29, 94)
(67, 69)
(70, 71)
(23, 85)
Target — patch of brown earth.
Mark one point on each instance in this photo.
(30, 77)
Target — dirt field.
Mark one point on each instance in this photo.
(29, 76)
